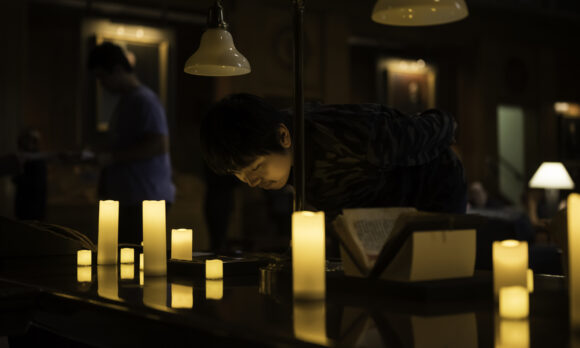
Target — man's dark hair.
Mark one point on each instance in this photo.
(108, 55)
(237, 129)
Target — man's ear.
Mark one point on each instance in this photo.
(285, 138)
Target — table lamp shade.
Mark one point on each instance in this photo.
(551, 175)
(418, 12)
(217, 56)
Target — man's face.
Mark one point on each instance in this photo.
(270, 171)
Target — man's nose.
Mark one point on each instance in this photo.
(252, 181)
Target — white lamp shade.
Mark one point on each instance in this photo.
(217, 56)
(418, 12)
(551, 175)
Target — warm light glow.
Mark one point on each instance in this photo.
(181, 244)
(108, 232)
(418, 12)
(308, 255)
(567, 109)
(217, 56)
(513, 333)
(310, 321)
(181, 296)
(574, 259)
(84, 274)
(84, 258)
(107, 284)
(510, 264)
(154, 238)
(514, 302)
(127, 271)
(530, 281)
(120, 30)
(214, 289)
(552, 175)
(139, 33)
(127, 255)
(214, 269)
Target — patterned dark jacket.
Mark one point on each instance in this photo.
(367, 155)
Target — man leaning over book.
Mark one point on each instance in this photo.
(358, 155)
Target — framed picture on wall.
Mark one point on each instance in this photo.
(408, 85)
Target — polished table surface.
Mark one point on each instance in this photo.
(258, 309)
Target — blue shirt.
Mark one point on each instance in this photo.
(137, 114)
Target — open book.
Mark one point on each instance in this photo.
(405, 244)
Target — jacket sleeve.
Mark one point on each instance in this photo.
(396, 139)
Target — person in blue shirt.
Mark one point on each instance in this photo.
(137, 161)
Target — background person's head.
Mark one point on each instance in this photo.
(111, 67)
(247, 137)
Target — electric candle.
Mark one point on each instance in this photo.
(310, 321)
(308, 255)
(214, 289)
(181, 244)
(140, 261)
(108, 232)
(154, 233)
(84, 274)
(214, 269)
(574, 258)
(181, 296)
(127, 271)
(513, 302)
(84, 258)
(510, 264)
(127, 255)
(530, 280)
(141, 278)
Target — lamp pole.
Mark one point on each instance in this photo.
(298, 136)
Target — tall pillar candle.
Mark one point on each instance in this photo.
(181, 244)
(154, 251)
(308, 255)
(510, 264)
(574, 259)
(108, 232)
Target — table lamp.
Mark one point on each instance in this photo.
(552, 176)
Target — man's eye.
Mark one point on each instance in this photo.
(257, 167)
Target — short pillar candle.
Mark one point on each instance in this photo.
(510, 264)
(514, 302)
(140, 261)
(181, 244)
(84, 258)
(127, 255)
(108, 233)
(154, 238)
(308, 255)
(214, 269)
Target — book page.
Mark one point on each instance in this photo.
(371, 227)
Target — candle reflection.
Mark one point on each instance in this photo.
(512, 333)
(310, 321)
(214, 289)
(181, 296)
(155, 292)
(108, 287)
(84, 274)
(127, 271)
